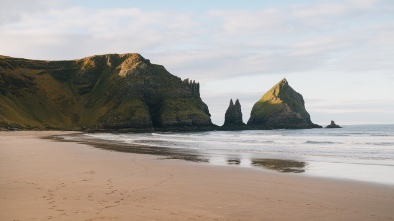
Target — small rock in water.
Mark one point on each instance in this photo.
(333, 125)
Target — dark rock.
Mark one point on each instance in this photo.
(333, 125)
(280, 107)
(233, 116)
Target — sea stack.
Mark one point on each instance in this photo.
(233, 116)
(333, 125)
(280, 107)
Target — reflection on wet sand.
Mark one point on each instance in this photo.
(233, 161)
(284, 166)
(168, 153)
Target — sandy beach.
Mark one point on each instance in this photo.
(43, 179)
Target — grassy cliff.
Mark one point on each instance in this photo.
(280, 107)
(100, 92)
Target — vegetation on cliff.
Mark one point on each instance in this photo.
(100, 92)
(280, 107)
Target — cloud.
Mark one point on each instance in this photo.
(247, 22)
(100, 31)
(212, 45)
(353, 38)
(11, 11)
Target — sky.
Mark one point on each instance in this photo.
(338, 54)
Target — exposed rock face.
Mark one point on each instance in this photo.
(233, 116)
(107, 91)
(333, 125)
(280, 107)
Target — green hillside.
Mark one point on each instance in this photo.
(280, 107)
(100, 92)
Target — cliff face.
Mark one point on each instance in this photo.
(100, 92)
(233, 116)
(280, 107)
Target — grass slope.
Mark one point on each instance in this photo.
(106, 91)
(280, 107)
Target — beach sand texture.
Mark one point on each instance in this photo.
(42, 179)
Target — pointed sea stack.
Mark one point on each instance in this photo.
(333, 125)
(233, 115)
(280, 107)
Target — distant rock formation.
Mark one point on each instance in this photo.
(103, 92)
(333, 125)
(233, 116)
(280, 107)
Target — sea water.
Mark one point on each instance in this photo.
(362, 152)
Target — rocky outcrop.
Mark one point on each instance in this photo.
(113, 91)
(280, 107)
(333, 125)
(233, 116)
(193, 86)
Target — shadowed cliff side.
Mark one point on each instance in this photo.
(233, 116)
(333, 125)
(100, 92)
(280, 107)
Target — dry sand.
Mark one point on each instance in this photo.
(42, 179)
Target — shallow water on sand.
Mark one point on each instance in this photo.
(363, 152)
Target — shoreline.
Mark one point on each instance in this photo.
(44, 179)
(306, 166)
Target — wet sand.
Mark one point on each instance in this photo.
(41, 179)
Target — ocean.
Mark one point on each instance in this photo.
(358, 152)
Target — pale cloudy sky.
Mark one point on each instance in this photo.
(338, 54)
